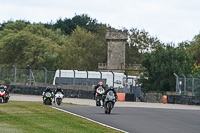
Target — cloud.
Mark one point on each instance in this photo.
(171, 20)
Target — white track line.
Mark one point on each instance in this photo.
(89, 119)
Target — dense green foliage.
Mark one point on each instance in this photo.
(22, 44)
(140, 42)
(67, 26)
(161, 65)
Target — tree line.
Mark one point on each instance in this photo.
(80, 43)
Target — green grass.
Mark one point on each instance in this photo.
(34, 117)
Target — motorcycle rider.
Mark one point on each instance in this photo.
(47, 90)
(111, 88)
(98, 85)
(2, 87)
(58, 90)
(6, 91)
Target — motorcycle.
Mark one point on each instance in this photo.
(99, 92)
(58, 98)
(3, 96)
(109, 102)
(47, 98)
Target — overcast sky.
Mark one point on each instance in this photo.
(169, 20)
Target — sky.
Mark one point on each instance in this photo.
(168, 20)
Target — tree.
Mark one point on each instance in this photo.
(67, 26)
(24, 44)
(194, 47)
(161, 64)
(140, 42)
(83, 51)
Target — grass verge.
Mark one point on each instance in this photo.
(34, 117)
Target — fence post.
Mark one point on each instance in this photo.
(87, 80)
(192, 84)
(45, 77)
(15, 73)
(184, 84)
(176, 83)
(113, 77)
(74, 79)
(59, 75)
(29, 75)
(100, 74)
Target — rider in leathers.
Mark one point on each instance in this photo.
(6, 91)
(58, 90)
(47, 90)
(95, 88)
(111, 88)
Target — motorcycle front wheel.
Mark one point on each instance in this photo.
(58, 100)
(109, 107)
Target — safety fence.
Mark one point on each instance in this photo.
(26, 77)
(43, 78)
(187, 85)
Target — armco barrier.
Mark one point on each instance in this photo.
(19, 89)
(31, 90)
(179, 99)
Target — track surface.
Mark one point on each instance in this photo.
(135, 117)
(143, 120)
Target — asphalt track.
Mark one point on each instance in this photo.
(142, 120)
(134, 117)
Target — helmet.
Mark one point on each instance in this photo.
(100, 83)
(48, 88)
(111, 87)
(2, 87)
(58, 88)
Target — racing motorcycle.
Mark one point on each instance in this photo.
(47, 98)
(58, 98)
(99, 92)
(3, 96)
(109, 102)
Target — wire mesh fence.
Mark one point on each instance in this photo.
(189, 86)
(43, 78)
(26, 77)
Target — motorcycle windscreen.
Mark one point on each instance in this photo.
(48, 94)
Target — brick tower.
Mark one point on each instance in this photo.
(116, 41)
